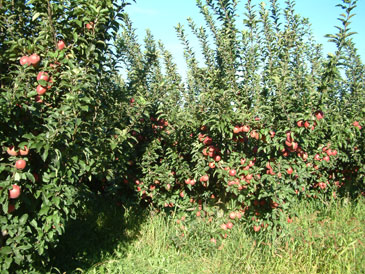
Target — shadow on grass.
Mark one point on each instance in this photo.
(96, 233)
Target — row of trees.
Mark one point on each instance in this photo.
(265, 121)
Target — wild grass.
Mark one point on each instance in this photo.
(324, 238)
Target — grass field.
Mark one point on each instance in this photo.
(326, 238)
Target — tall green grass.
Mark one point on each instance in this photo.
(326, 238)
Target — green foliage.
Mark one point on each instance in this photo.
(265, 103)
(265, 121)
(74, 131)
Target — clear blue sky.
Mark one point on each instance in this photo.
(161, 16)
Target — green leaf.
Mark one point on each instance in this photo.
(35, 16)
(5, 250)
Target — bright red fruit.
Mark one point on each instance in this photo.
(14, 192)
(232, 215)
(24, 151)
(229, 225)
(306, 124)
(236, 129)
(34, 59)
(41, 90)
(24, 61)
(20, 164)
(256, 228)
(289, 171)
(217, 158)
(232, 172)
(319, 114)
(245, 129)
(212, 165)
(11, 151)
(61, 45)
(43, 76)
(204, 178)
(90, 25)
(300, 123)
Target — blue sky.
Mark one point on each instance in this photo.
(161, 16)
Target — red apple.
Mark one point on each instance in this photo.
(41, 90)
(24, 151)
(306, 124)
(14, 192)
(229, 225)
(43, 76)
(236, 129)
(319, 114)
(245, 128)
(232, 172)
(256, 228)
(20, 164)
(89, 25)
(232, 215)
(34, 59)
(212, 165)
(24, 61)
(224, 226)
(11, 208)
(300, 123)
(217, 158)
(11, 151)
(61, 45)
(38, 99)
(289, 170)
(204, 178)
